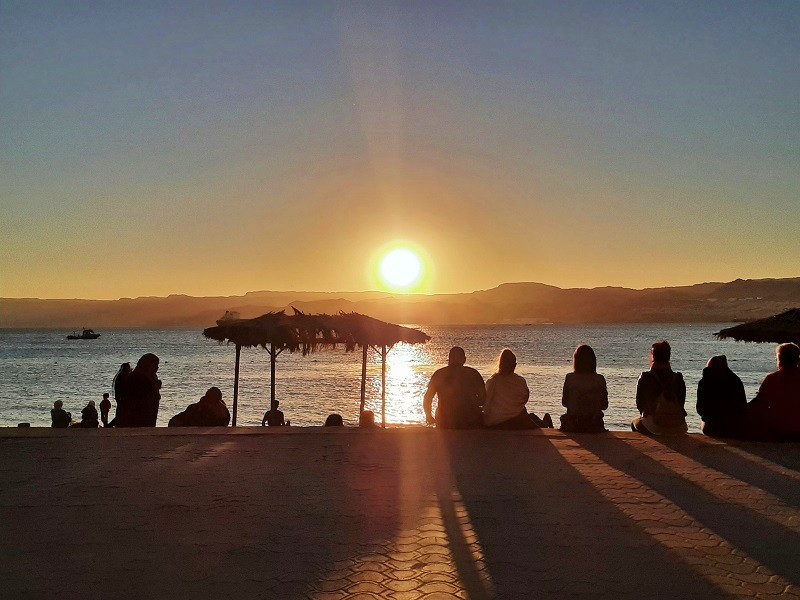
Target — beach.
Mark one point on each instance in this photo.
(403, 513)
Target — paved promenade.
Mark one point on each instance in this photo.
(404, 513)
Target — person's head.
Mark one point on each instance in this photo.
(214, 394)
(58, 404)
(457, 356)
(274, 405)
(718, 363)
(105, 396)
(367, 419)
(660, 353)
(91, 403)
(334, 420)
(584, 360)
(788, 356)
(148, 364)
(506, 362)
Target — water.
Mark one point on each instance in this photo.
(40, 366)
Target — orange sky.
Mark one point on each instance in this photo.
(280, 148)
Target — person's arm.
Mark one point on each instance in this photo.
(604, 392)
(283, 423)
(642, 398)
(427, 401)
(264, 420)
(480, 390)
(565, 394)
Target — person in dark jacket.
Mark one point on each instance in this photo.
(120, 379)
(89, 417)
(140, 394)
(660, 396)
(721, 400)
(461, 392)
(210, 411)
(105, 408)
(59, 416)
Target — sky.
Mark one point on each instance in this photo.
(215, 148)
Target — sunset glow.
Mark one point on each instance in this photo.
(401, 269)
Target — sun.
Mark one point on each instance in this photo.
(401, 269)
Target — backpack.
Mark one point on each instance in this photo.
(668, 413)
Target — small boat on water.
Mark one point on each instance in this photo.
(86, 334)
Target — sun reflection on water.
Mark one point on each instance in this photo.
(407, 372)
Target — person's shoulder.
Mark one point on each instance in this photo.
(474, 372)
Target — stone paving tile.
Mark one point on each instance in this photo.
(401, 514)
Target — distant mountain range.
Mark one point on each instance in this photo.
(517, 303)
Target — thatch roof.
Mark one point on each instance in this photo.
(778, 329)
(307, 333)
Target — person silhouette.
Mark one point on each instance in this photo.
(273, 417)
(506, 396)
(660, 396)
(585, 395)
(59, 417)
(105, 408)
(461, 393)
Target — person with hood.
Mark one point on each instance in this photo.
(140, 394)
(89, 418)
(721, 400)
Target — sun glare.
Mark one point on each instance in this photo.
(401, 269)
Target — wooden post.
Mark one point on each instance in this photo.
(236, 384)
(363, 378)
(383, 386)
(272, 357)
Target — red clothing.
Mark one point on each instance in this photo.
(778, 401)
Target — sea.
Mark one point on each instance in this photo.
(40, 366)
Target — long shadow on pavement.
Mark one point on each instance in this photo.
(764, 540)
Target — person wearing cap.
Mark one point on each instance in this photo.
(461, 393)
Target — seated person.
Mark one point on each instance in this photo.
(89, 417)
(721, 400)
(60, 417)
(273, 417)
(660, 396)
(461, 393)
(210, 411)
(776, 407)
(367, 419)
(506, 396)
(585, 395)
(334, 420)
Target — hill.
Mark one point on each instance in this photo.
(525, 302)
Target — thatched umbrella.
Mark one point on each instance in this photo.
(277, 332)
(779, 329)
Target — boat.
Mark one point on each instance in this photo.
(86, 334)
(229, 317)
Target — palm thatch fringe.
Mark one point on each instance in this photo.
(277, 332)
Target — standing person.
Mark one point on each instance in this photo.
(506, 396)
(273, 417)
(59, 417)
(660, 396)
(105, 408)
(121, 419)
(141, 393)
(721, 400)
(461, 394)
(585, 395)
(776, 407)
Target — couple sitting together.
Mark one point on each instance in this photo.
(465, 402)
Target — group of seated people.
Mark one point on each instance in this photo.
(466, 402)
